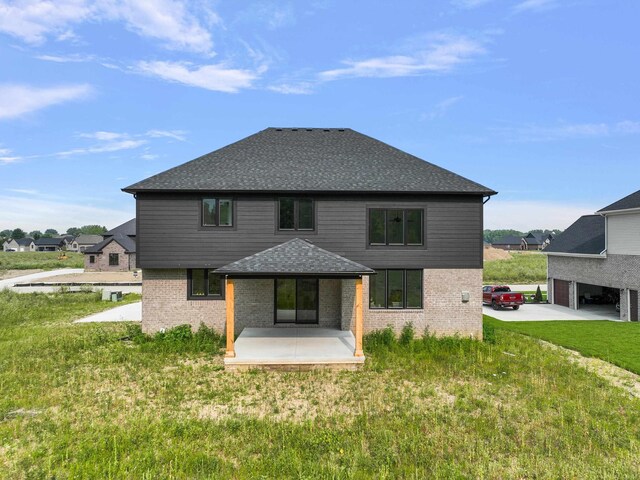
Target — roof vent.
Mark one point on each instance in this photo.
(341, 129)
(278, 129)
(294, 129)
(309, 129)
(326, 130)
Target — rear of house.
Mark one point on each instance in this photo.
(595, 263)
(116, 253)
(321, 228)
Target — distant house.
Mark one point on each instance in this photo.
(116, 253)
(510, 242)
(595, 263)
(47, 244)
(19, 245)
(82, 242)
(536, 241)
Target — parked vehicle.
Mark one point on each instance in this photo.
(499, 296)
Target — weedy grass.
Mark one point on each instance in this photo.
(41, 260)
(107, 401)
(614, 342)
(522, 267)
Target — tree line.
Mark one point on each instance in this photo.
(491, 236)
(18, 233)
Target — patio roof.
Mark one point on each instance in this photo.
(295, 257)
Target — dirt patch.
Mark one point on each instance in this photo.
(495, 254)
(88, 277)
(4, 274)
(615, 375)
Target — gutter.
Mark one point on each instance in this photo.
(602, 254)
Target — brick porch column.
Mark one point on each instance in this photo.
(359, 326)
(230, 328)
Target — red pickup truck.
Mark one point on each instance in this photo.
(499, 296)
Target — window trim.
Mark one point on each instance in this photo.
(405, 227)
(117, 257)
(296, 215)
(383, 273)
(92, 259)
(217, 198)
(206, 296)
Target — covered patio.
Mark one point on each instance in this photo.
(296, 340)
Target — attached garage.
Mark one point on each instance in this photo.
(598, 298)
(561, 292)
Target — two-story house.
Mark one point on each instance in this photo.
(311, 227)
(597, 260)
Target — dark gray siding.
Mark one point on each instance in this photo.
(170, 235)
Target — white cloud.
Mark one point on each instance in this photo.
(107, 136)
(169, 21)
(526, 215)
(441, 108)
(39, 211)
(439, 54)
(17, 100)
(210, 77)
(73, 58)
(470, 3)
(175, 134)
(537, 133)
(148, 156)
(112, 146)
(302, 88)
(274, 14)
(535, 5)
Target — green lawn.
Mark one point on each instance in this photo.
(104, 401)
(42, 260)
(522, 267)
(615, 342)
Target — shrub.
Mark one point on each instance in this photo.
(407, 335)
(488, 333)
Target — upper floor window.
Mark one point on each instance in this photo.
(295, 214)
(205, 283)
(217, 212)
(395, 226)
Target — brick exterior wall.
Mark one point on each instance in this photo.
(614, 271)
(165, 304)
(127, 261)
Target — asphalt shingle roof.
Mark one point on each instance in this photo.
(309, 159)
(630, 201)
(295, 257)
(49, 241)
(125, 242)
(508, 240)
(88, 239)
(24, 241)
(127, 228)
(584, 236)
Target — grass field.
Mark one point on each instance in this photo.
(522, 267)
(104, 401)
(42, 260)
(615, 342)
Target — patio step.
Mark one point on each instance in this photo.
(238, 365)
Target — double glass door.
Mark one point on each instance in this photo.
(296, 300)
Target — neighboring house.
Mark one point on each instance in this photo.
(510, 242)
(19, 245)
(82, 242)
(311, 227)
(116, 253)
(536, 241)
(597, 260)
(46, 244)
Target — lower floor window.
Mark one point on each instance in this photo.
(395, 288)
(92, 259)
(205, 283)
(114, 259)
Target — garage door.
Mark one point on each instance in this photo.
(561, 292)
(633, 303)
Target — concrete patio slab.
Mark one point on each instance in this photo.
(294, 349)
(532, 312)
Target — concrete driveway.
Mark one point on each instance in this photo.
(131, 312)
(532, 312)
(10, 282)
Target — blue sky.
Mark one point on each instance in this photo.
(537, 99)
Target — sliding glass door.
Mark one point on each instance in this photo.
(296, 300)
